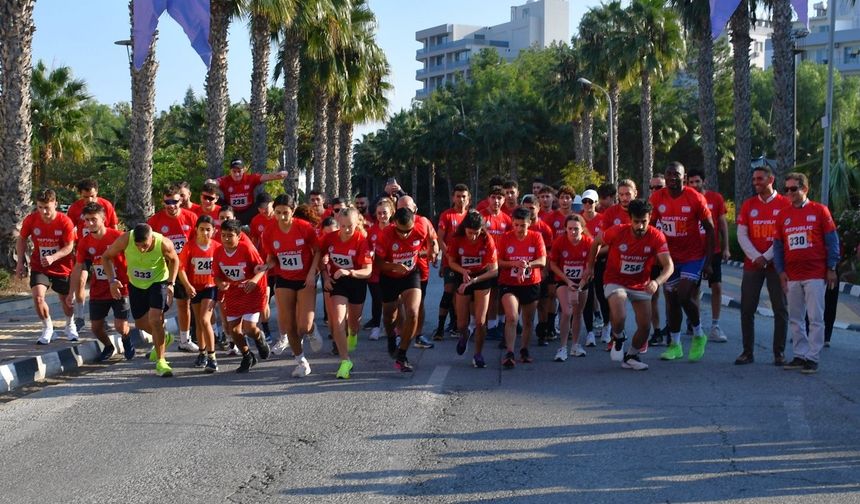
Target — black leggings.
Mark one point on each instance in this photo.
(597, 284)
(376, 303)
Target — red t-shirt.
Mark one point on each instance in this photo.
(199, 211)
(76, 209)
(545, 231)
(259, 224)
(680, 219)
(237, 268)
(294, 250)
(717, 206)
(423, 259)
(373, 234)
(497, 225)
(802, 231)
(760, 219)
(571, 257)
(615, 215)
(508, 210)
(348, 255)
(197, 263)
(482, 205)
(511, 248)
(449, 220)
(631, 258)
(392, 247)
(91, 249)
(48, 238)
(542, 214)
(556, 221)
(595, 224)
(240, 195)
(179, 229)
(473, 256)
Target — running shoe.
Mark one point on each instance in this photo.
(617, 351)
(598, 320)
(525, 358)
(107, 353)
(561, 354)
(589, 340)
(303, 368)
(811, 367)
(188, 346)
(79, 323)
(697, 348)
(71, 332)
(315, 340)
(438, 334)
(606, 335)
(263, 347)
(422, 342)
(211, 365)
(478, 361)
(248, 361)
(826, 343)
(577, 351)
(234, 350)
(745, 358)
(796, 363)
(509, 361)
(779, 360)
(282, 344)
(45, 338)
(344, 369)
(644, 348)
(201, 360)
(392, 346)
(222, 342)
(455, 334)
(717, 335)
(551, 333)
(375, 334)
(633, 362)
(371, 324)
(656, 338)
(452, 327)
(128, 348)
(162, 368)
(674, 352)
(402, 365)
(168, 340)
(351, 342)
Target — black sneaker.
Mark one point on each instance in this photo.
(811, 367)
(392, 346)
(248, 361)
(222, 343)
(128, 348)
(439, 334)
(796, 363)
(541, 331)
(79, 323)
(106, 354)
(525, 358)
(744, 358)
(211, 365)
(478, 361)
(461, 345)
(509, 361)
(201, 360)
(422, 342)
(263, 348)
(371, 324)
(656, 338)
(452, 327)
(778, 360)
(551, 333)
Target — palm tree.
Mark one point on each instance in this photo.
(62, 130)
(139, 194)
(16, 44)
(696, 15)
(783, 75)
(217, 97)
(740, 30)
(654, 38)
(566, 97)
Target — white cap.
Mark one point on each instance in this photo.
(590, 194)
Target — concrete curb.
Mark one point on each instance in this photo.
(844, 287)
(767, 312)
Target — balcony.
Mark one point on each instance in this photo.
(462, 43)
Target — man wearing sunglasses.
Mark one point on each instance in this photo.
(209, 203)
(806, 251)
(239, 187)
(177, 224)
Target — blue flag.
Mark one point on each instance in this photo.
(721, 11)
(192, 15)
(801, 7)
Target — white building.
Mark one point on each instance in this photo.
(448, 48)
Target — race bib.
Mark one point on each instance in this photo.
(467, 262)
(341, 261)
(46, 251)
(290, 262)
(632, 267)
(141, 274)
(238, 201)
(573, 273)
(797, 241)
(202, 265)
(669, 228)
(178, 244)
(515, 272)
(234, 273)
(99, 272)
(409, 262)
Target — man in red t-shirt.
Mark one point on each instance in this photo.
(512, 197)
(556, 219)
(631, 252)
(756, 227)
(680, 210)
(497, 223)
(208, 202)
(53, 237)
(239, 186)
(547, 198)
(425, 257)
(717, 206)
(806, 252)
(185, 198)
(449, 220)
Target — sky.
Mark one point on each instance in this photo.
(83, 39)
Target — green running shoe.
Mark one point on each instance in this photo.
(163, 369)
(674, 352)
(697, 348)
(351, 342)
(168, 340)
(344, 369)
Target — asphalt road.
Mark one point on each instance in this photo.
(580, 431)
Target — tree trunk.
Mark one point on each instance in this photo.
(615, 98)
(707, 107)
(345, 160)
(740, 27)
(588, 139)
(513, 168)
(320, 140)
(578, 151)
(16, 157)
(309, 179)
(333, 148)
(432, 200)
(142, 133)
(217, 99)
(647, 134)
(783, 80)
(46, 154)
(414, 191)
(260, 49)
(292, 70)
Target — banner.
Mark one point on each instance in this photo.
(192, 16)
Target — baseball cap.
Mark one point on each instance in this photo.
(237, 163)
(577, 200)
(589, 194)
(391, 181)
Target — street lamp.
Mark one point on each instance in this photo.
(477, 170)
(127, 44)
(587, 83)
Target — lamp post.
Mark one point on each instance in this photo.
(127, 44)
(611, 156)
(828, 109)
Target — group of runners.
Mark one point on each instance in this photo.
(543, 264)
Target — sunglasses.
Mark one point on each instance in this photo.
(587, 202)
(208, 198)
(171, 202)
(789, 189)
(336, 210)
(402, 232)
(656, 187)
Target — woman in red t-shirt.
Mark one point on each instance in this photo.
(384, 211)
(195, 273)
(292, 253)
(567, 260)
(472, 255)
(348, 262)
(522, 255)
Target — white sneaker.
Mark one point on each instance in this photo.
(606, 337)
(589, 340)
(375, 334)
(598, 320)
(303, 368)
(315, 340)
(71, 332)
(282, 344)
(717, 335)
(46, 336)
(577, 351)
(561, 355)
(189, 346)
(634, 363)
(234, 350)
(617, 354)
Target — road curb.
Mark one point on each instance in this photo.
(767, 312)
(844, 287)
